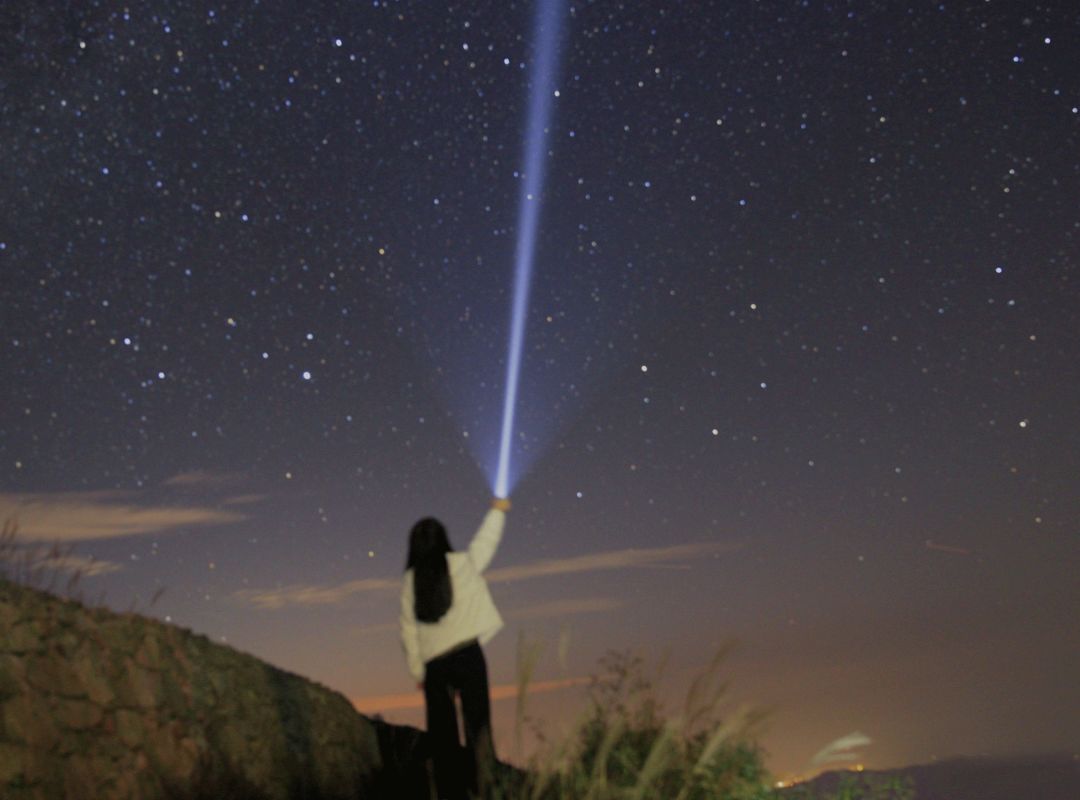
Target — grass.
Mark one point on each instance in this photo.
(623, 747)
(39, 567)
(51, 568)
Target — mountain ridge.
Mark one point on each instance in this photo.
(1021, 777)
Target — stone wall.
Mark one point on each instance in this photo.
(100, 705)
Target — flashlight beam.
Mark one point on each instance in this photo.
(547, 23)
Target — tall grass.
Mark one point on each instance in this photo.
(53, 568)
(624, 747)
(37, 566)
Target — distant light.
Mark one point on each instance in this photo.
(306, 375)
(644, 368)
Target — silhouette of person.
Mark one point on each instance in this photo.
(446, 615)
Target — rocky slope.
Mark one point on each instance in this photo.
(100, 705)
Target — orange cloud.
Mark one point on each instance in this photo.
(314, 594)
(565, 608)
(558, 608)
(78, 516)
(243, 499)
(677, 556)
(397, 702)
(83, 565)
(947, 548)
(202, 477)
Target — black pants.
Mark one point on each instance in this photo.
(463, 672)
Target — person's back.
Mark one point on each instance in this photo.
(447, 612)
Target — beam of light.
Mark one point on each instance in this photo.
(547, 23)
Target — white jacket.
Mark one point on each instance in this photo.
(472, 614)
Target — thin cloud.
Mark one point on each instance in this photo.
(243, 499)
(82, 565)
(202, 477)
(675, 555)
(566, 608)
(665, 557)
(400, 702)
(314, 595)
(947, 548)
(79, 516)
(557, 608)
(842, 749)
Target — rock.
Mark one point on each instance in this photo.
(140, 687)
(149, 654)
(91, 677)
(82, 774)
(12, 758)
(129, 728)
(171, 753)
(53, 675)
(23, 638)
(12, 676)
(9, 615)
(28, 722)
(78, 714)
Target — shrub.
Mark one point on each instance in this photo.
(624, 747)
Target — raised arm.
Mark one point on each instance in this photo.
(486, 541)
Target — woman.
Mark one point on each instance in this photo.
(446, 614)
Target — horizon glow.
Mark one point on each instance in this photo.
(547, 25)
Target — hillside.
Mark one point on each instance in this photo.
(1031, 778)
(100, 705)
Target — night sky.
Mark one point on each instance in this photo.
(801, 367)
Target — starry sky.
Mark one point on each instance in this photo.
(801, 363)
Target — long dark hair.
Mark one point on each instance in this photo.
(432, 590)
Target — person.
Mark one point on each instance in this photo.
(446, 615)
